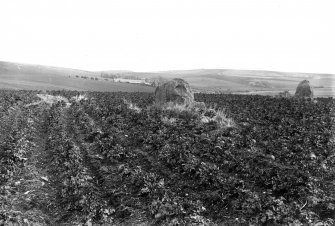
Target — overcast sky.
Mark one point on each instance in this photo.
(151, 35)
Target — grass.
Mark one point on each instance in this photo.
(20, 82)
(206, 114)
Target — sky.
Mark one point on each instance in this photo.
(157, 35)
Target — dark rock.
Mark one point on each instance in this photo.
(304, 90)
(177, 91)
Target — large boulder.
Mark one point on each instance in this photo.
(177, 91)
(304, 90)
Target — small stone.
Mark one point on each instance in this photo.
(45, 178)
(313, 156)
(271, 157)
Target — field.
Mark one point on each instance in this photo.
(318, 92)
(253, 81)
(38, 77)
(116, 159)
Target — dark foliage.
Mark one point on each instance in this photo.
(106, 162)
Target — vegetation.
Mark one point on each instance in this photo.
(116, 159)
(39, 77)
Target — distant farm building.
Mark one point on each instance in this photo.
(285, 94)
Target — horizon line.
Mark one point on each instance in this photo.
(162, 71)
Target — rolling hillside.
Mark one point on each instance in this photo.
(32, 77)
(25, 76)
(251, 81)
(244, 81)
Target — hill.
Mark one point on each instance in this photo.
(31, 77)
(243, 81)
(250, 80)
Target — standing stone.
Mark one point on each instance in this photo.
(304, 90)
(177, 91)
